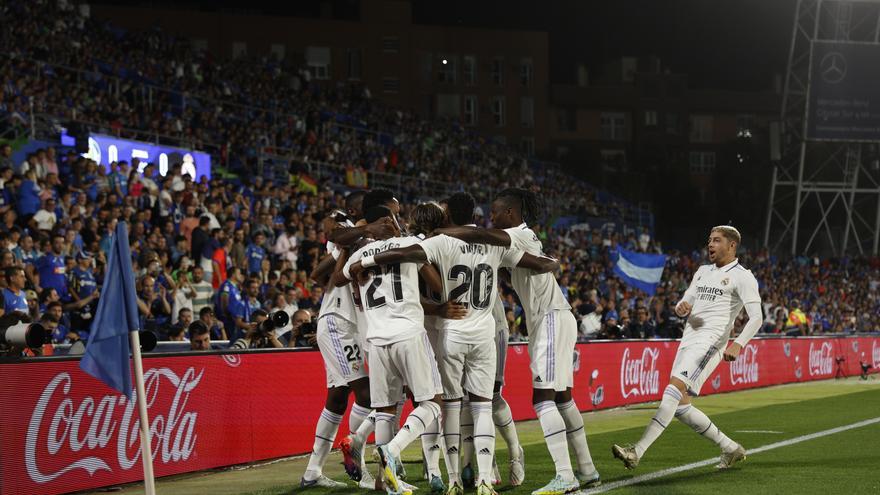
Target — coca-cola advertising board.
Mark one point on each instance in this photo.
(64, 431)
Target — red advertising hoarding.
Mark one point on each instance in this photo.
(64, 431)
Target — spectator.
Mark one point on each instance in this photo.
(642, 328)
(255, 338)
(204, 291)
(199, 336)
(14, 297)
(52, 268)
(206, 316)
(296, 336)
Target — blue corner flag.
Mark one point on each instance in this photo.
(642, 271)
(107, 352)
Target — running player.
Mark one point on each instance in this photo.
(717, 294)
(552, 334)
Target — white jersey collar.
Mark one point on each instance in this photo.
(728, 266)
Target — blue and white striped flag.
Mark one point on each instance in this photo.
(642, 271)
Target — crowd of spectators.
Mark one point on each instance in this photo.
(215, 257)
(237, 107)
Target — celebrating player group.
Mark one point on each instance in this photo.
(413, 312)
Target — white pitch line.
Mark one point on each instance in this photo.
(760, 431)
(695, 465)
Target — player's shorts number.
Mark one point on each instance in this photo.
(352, 352)
(475, 284)
(380, 273)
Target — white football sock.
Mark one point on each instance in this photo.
(484, 440)
(553, 427)
(325, 433)
(356, 417)
(503, 419)
(383, 428)
(661, 419)
(398, 413)
(452, 436)
(431, 449)
(416, 423)
(700, 423)
(577, 436)
(467, 433)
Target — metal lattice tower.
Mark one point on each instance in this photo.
(825, 195)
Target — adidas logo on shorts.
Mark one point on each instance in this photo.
(684, 373)
(538, 380)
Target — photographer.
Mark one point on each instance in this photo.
(259, 336)
(302, 333)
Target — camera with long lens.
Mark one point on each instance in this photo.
(16, 331)
(278, 319)
(309, 327)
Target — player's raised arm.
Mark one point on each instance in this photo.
(477, 235)
(324, 270)
(339, 278)
(538, 264)
(347, 236)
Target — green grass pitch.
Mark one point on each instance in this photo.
(845, 462)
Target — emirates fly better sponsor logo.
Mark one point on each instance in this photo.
(821, 359)
(639, 376)
(745, 369)
(61, 428)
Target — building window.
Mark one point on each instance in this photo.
(527, 145)
(471, 114)
(278, 50)
(566, 119)
(390, 44)
(526, 69)
(446, 74)
(498, 71)
(239, 49)
(527, 112)
(390, 85)
(650, 118)
(612, 126)
(449, 105)
(353, 61)
(614, 160)
(469, 70)
(498, 110)
(672, 123)
(318, 61)
(702, 162)
(425, 66)
(745, 123)
(701, 128)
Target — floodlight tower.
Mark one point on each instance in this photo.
(825, 194)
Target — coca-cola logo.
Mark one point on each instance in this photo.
(83, 433)
(875, 354)
(233, 360)
(745, 369)
(821, 359)
(639, 376)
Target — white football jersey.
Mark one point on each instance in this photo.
(390, 297)
(499, 314)
(339, 301)
(469, 273)
(539, 294)
(717, 295)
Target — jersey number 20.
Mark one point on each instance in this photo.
(478, 282)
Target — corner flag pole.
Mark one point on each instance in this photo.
(146, 454)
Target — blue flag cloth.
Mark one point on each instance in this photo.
(107, 352)
(642, 271)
